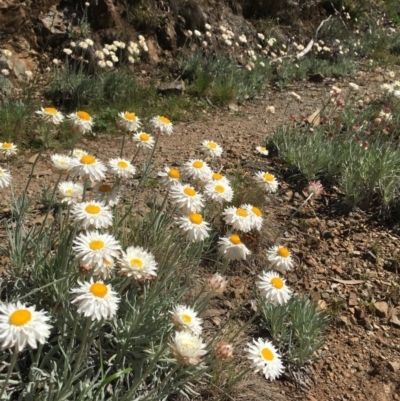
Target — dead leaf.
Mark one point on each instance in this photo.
(33, 158)
(41, 173)
(348, 282)
(315, 118)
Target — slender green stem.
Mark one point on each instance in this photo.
(10, 369)
(122, 145)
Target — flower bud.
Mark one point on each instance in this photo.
(216, 284)
(224, 351)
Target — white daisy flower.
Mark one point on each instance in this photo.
(5, 178)
(70, 191)
(267, 181)
(169, 177)
(233, 248)
(218, 192)
(109, 64)
(185, 318)
(78, 153)
(104, 271)
(186, 198)
(143, 140)
(8, 148)
(90, 166)
(50, 114)
(92, 215)
(265, 358)
(89, 42)
(263, 151)
(67, 51)
(238, 218)
(196, 169)
(138, 263)
(279, 257)
(273, 288)
(95, 300)
(114, 59)
(187, 348)
(107, 194)
(121, 168)
(193, 226)
(61, 162)
(22, 326)
(217, 178)
(211, 148)
(129, 121)
(82, 44)
(99, 54)
(7, 53)
(102, 64)
(255, 216)
(93, 248)
(163, 124)
(81, 121)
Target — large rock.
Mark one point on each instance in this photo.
(12, 16)
(54, 27)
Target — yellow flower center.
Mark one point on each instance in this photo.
(235, 239)
(83, 115)
(241, 212)
(20, 317)
(99, 290)
(220, 189)
(198, 164)
(136, 263)
(96, 245)
(186, 318)
(130, 116)
(284, 252)
(107, 263)
(268, 177)
(212, 145)
(69, 192)
(87, 159)
(50, 110)
(277, 283)
(256, 211)
(144, 137)
(122, 164)
(262, 149)
(164, 120)
(267, 354)
(93, 209)
(174, 173)
(189, 192)
(7, 145)
(195, 218)
(217, 176)
(105, 188)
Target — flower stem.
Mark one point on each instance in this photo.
(10, 369)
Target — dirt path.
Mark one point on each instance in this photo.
(361, 357)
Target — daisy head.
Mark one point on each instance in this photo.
(122, 168)
(105, 270)
(70, 191)
(185, 318)
(197, 169)
(5, 178)
(95, 300)
(8, 148)
(78, 153)
(280, 258)
(187, 348)
(219, 192)
(255, 216)
(129, 121)
(22, 326)
(193, 227)
(162, 124)
(315, 188)
(89, 166)
(267, 181)
(92, 215)
(216, 284)
(210, 148)
(273, 288)
(138, 263)
(61, 162)
(238, 218)
(144, 140)
(106, 193)
(169, 177)
(232, 248)
(263, 151)
(186, 198)
(50, 115)
(93, 248)
(81, 121)
(265, 358)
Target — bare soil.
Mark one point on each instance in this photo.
(347, 261)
